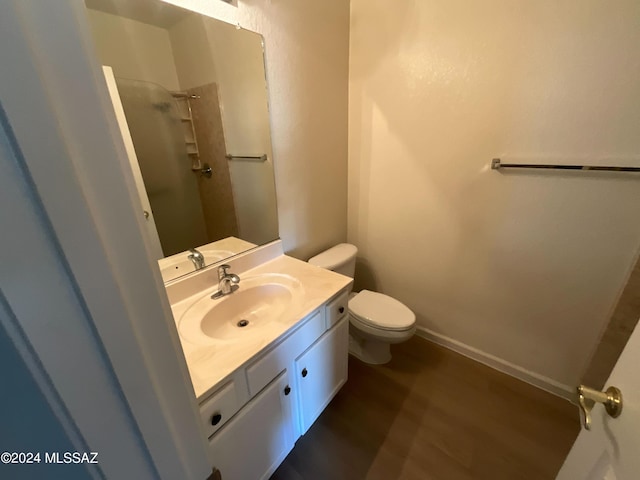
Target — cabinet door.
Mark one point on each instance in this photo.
(320, 372)
(254, 443)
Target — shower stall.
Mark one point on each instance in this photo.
(157, 129)
(176, 136)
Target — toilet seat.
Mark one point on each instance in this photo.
(381, 311)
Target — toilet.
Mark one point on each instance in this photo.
(375, 320)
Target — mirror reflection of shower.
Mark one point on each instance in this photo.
(196, 92)
(163, 129)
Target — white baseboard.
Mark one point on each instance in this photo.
(537, 380)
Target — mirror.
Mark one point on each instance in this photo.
(190, 96)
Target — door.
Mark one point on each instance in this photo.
(145, 206)
(609, 451)
(321, 371)
(252, 444)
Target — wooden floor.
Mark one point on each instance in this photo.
(431, 414)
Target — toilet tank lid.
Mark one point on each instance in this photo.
(335, 256)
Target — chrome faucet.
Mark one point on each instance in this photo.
(227, 282)
(196, 258)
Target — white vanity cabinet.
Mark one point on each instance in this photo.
(320, 372)
(285, 387)
(254, 443)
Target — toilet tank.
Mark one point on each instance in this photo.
(340, 259)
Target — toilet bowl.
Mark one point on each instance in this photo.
(375, 320)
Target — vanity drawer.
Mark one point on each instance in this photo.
(337, 309)
(220, 407)
(267, 367)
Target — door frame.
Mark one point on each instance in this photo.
(57, 107)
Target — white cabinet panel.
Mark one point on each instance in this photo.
(336, 309)
(263, 370)
(219, 408)
(320, 372)
(252, 444)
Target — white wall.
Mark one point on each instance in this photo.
(243, 92)
(245, 117)
(306, 46)
(522, 266)
(133, 49)
(192, 53)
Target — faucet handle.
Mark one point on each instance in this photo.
(222, 271)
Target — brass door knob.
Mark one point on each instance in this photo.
(611, 398)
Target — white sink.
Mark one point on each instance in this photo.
(259, 305)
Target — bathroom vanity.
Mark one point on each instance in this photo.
(265, 360)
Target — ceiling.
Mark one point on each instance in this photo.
(152, 12)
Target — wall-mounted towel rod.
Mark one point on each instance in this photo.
(250, 158)
(496, 164)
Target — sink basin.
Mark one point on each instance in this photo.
(259, 304)
(177, 265)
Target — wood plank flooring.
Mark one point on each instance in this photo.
(432, 414)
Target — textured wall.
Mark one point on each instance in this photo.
(307, 52)
(523, 266)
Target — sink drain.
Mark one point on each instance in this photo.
(243, 323)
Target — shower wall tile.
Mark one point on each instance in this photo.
(215, 192)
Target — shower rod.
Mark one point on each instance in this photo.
(496, 164)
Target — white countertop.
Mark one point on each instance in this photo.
(209, 364)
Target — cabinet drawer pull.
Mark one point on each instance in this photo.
(304, 372)
(287, 390)
(216, 419)
(341, 309)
